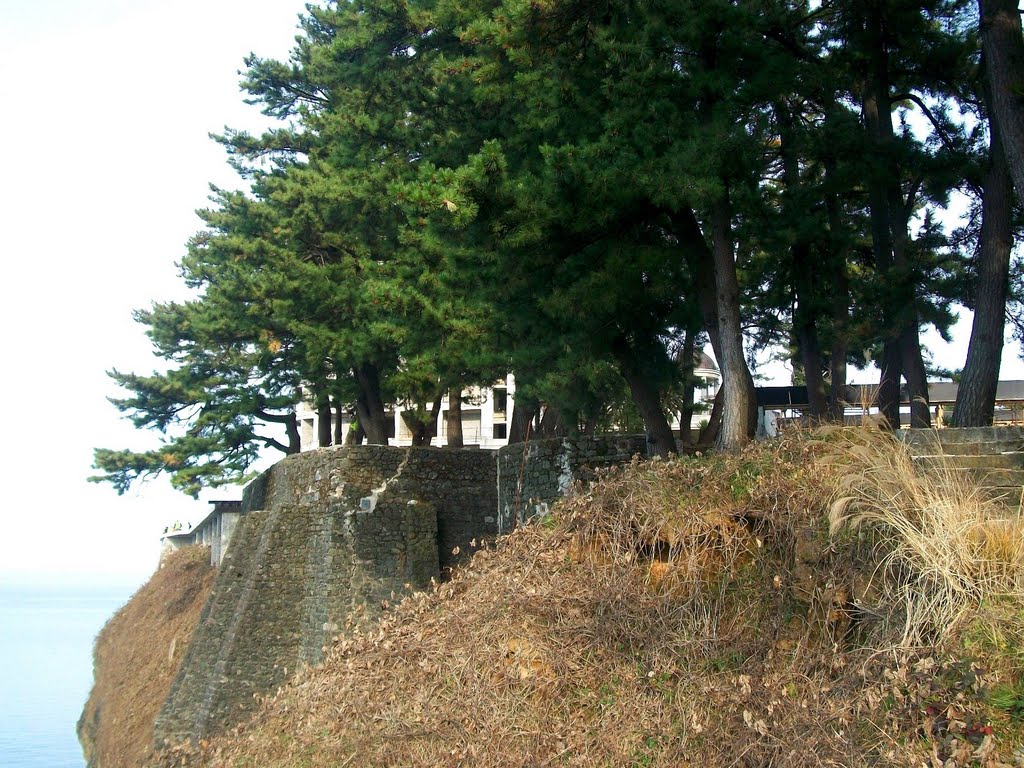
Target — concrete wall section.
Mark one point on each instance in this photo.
(213, 531)
(531, 476)
(228, 523)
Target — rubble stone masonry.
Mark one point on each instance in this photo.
(335, 535)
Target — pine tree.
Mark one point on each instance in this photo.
(1003, 46)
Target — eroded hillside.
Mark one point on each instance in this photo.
(136, 657)
(814, 601)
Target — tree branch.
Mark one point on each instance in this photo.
(272, 417)
(943, 135)
(271, 442)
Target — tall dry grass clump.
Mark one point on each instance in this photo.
(941, 546)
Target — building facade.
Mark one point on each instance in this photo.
(487, 413)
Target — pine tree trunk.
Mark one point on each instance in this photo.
(415, 425)
(805, 279)
(435, 414)
(453, 419)
(291, 426)
(370, 405)
(709, 434)
(423, 430)
(976, 395)
(908, 320)
(739, 403)
(323, 423)
(876, 109)
(916, 376)
(660, 440)
(700, 262)
(339, 430)
(552, 423)
(689, 387)
(523, 414)
(889, 385)
(810, 354)
(356, 434)
(837, 380)
(840, 307)
(1003, 48)
(889, 216)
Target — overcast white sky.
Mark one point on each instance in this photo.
(106, 109)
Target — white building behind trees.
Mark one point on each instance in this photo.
(487, 413)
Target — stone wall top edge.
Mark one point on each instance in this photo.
(476, 453)
(343, 450)
(259, 490)
(606, 437)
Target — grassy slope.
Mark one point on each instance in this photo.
(136, 657)
(694, 612)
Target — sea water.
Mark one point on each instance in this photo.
(46, 640)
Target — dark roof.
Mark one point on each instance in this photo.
(939, 393)
(1010, 390)
(704, 360)
(945, 391)
(226, 505)
(779, 397)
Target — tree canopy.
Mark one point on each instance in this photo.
(576, 192)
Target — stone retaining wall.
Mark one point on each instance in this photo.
(336, 534)
(340, 533)
(991, 457)
(531, 476)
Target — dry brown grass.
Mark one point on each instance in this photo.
(941, 546)
(690, 612)
(136, 657)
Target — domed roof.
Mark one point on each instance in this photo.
(705, 362)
